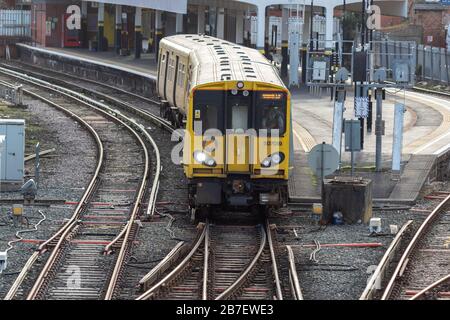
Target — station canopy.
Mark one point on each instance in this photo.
(177, 6)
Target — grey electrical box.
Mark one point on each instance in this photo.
(380, 75)
(12, 152)
(320, 71)
(400, 71)
(352, 135)
(342, 75)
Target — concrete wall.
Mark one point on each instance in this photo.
(106, 74)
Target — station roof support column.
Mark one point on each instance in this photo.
(179, 23)
(261, 22)
(201, 19)
(221, 23)
(84, 11)
(239, 26)
(329, 23)
(266, 33)
(138, 33)
(284, 41)
(118, 36)
(101, 26)
(158, 30)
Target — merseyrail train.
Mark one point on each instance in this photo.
(237, 117)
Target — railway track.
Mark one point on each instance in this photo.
(422, 265)
(144, 107)
(76, 248)
(225, 262)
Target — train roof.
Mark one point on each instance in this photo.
(220, 60)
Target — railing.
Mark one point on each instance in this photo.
(11, 93)
(432, 63)
(15, 23)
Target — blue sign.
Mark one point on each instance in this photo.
(445, 2)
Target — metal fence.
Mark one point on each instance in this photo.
(390, 55)
(15, 23)
(432, 63)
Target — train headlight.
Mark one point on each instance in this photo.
(204, 159)
(274, 159)
(199, 156)
(240, 85)
(266, 163)
(245, 93)
(210, 162)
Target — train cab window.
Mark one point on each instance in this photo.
(239, 112)
(271, 111)
(208, 109)
(239, 118)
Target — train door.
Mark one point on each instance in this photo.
(238, 123)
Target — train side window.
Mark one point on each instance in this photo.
(170, 73)
(163, 59)
(181, 75)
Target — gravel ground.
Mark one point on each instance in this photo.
(64, 174)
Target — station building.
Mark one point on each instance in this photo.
(136, 26)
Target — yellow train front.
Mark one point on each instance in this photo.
(237, 116)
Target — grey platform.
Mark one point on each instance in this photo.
(304, 186)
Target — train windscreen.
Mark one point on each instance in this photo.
(271, 111)
(208, 109)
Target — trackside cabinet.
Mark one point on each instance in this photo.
(12, 151)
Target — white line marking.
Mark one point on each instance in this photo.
(442, 150)
(297, 135)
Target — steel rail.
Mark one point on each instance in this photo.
(205, 265)
(242, 278)
(21, 277)
(432, 286)
(112, 114)
(155, 119)
(274, 262)
(377, 277)
(405, 259)
(175, 272)
(50, 262)
(24, 272)
(293, 276)
(162, 266)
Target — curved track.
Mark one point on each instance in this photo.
(425, 260)
(79, 242)
(225, 262)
